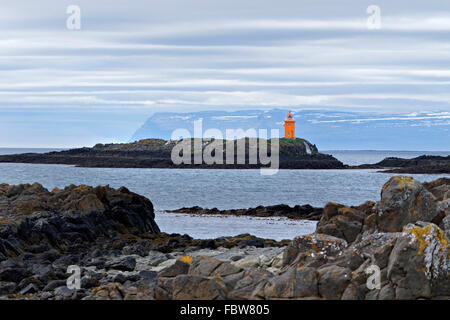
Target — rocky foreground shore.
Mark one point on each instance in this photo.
(112, 236)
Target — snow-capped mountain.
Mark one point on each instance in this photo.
(424, 131)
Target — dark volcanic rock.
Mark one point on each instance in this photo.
(156, 153)
(440, 188)
(7, 288)
(405, 200)
(42, 232)
(32, 219)
(31, 288)
(304, 212)
(122, 263)
(344, 222)
(405, 236)
(420, 165)
(398, 236)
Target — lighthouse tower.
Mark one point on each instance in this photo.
(289, 127)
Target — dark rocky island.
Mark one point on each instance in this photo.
(304, 212)
(112, 237)
(156, 153)
(419, 165)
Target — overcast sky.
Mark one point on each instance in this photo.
(61, 87)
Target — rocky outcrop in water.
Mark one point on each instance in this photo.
(304, 212)
(419, 165)
(396, 248)
(156, 153)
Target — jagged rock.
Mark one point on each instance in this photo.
(443, 208)
(209, 267)
(446, 226)
(192, 287)
(30, 213)
(174, 269)
(113, 291)
(333, 280)
(404, 200)
(296, 282)
(349, 258)
(90, 280)
(313, 244)
(13, 274)
(204, 266)
(36, 281)
(164, 288)
(439, 188)
(148, 276)
(252, 243)
(7, 288)
(343, 222)
(53, 284)
(140, 293)
(381, 254)
(387, 292)
(141, 248)
(248, 262)
(64, 293)
(251, 285)
(120, 278)
(226, 270)
(369, 244)
(153, 259)
(357, 288)
(31, 288)
(124, 263)
(419, 262)
(43, 270)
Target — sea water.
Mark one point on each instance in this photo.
(222, 189)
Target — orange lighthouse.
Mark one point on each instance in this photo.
(289, 127)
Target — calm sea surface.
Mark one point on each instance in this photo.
(224, 189)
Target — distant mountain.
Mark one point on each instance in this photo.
(329, 130)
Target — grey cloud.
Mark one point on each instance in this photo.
(141, 56)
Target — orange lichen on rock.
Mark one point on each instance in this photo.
(6, 221)
(187, 259)
(82, 187)
(423, 236)
(56, 190)
(402, 180)
(431, 243)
